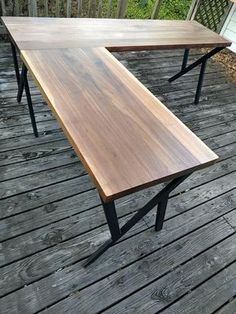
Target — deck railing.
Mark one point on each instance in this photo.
(72, 8)
(210, 13)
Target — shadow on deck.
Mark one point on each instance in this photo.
(51, 218)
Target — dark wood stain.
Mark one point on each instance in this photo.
(113, 122)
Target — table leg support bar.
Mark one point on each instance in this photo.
(29, 100)
(185, 59)
(15, 61)
(201, 61)
(159, 200)
(161, 210)
(20, 87)
(200, 82)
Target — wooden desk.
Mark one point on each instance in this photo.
(125, 137)
(29, 33)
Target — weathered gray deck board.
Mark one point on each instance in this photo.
(229, 307)
(212, 293)
(161, 293)
(143, 271)
(51, 218)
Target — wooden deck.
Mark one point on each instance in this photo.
(51, 218)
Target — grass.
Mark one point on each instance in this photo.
(170, 9)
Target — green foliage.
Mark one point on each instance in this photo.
(170, 9)
(140, 9)
(174, 9)
(137, 9)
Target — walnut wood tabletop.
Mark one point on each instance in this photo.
(115, 34)
(126, 138)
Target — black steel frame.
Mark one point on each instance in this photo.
(15, 61)
(160, 200)
(24, 82)
(19, 81)
(20, 88)
(201, 61)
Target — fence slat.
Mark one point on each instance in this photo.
(109, 10)
(122, 6)
(4, 12)
(156, 9)
(17, 8)
(45, 7)
(92, 8)
(32, 8)
(29, 8)
(80, 6)
(58, 8)
(193, 9)
(68, 8)
(100, 3)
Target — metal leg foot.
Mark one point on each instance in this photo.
(103, 248)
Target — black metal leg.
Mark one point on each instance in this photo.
(112, 220)
(161, 210)
(160, 199)
(185, 59)
(201, 61)
(200, 82)
(20, 87)
(29, 101)
(13, 49)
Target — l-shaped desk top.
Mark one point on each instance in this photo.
(126, 138)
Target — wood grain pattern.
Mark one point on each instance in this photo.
(125, 137)
(117, 35)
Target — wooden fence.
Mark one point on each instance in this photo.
(210, 13)
(72, 8)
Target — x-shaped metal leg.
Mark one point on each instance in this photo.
(201, 61)
(160, 200)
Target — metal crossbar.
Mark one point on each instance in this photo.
(201, 61)
(160, 200)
